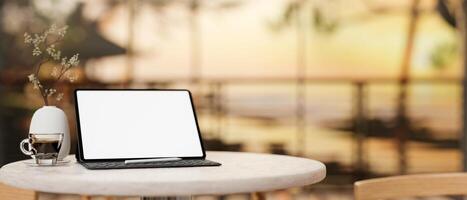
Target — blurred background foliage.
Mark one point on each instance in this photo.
(371, 88)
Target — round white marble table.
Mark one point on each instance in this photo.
(239, 173)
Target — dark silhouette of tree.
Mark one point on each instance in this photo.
(324, 23)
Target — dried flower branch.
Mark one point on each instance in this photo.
(46, 49)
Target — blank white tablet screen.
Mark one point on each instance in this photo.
(118, 124)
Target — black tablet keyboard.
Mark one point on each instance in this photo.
(177, 163)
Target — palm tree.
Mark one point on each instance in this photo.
(322, 24)
(194, 8)
(293, 15)
(195, 35)
(301, 39)
(128, 75)
(401, 115)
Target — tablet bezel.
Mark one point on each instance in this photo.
(80, 151)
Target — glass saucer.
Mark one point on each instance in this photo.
(33, 163)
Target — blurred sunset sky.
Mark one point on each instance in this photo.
(364, 43)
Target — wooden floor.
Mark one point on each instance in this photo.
(314, 194)
(338, 193)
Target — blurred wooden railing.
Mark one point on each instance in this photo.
(216, 87)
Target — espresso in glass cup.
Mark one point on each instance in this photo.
(43, 148)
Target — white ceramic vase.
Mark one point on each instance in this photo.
(52, 120)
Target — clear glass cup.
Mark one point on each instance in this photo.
(43, 148)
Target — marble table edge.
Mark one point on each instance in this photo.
(216, 190)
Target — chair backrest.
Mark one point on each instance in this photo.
(11, 193)
(411, 186)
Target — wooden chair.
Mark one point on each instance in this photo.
(411, 186)
(11, 193)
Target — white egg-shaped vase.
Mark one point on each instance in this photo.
(52, 120)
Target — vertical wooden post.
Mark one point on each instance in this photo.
(462, 25)
(219, 108)
(360, 127)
